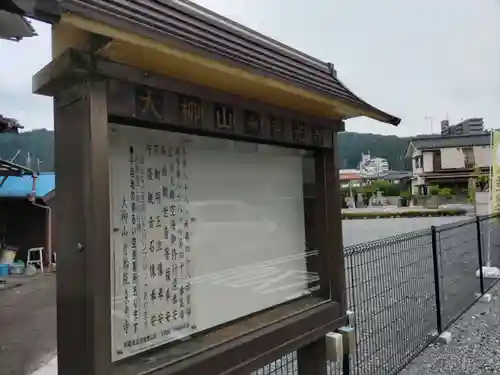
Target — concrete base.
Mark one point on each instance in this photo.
(490, 272)
(50, 368)
(486, 298)
(444, 338)
(351, 317)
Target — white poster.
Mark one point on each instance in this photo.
(205, 231)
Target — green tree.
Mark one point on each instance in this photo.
(390, 147)
(40, 144)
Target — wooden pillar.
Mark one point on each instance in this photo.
(334, 226)
(81, 233)
(312, 357)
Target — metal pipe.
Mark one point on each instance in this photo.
(48, 236)
(480, 253)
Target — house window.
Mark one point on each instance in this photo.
(419, 162)
(436, 160)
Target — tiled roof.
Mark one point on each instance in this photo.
(440, 141)
(14, 27)
(9, 125)
(185, 23)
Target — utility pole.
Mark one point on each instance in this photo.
(431, 122)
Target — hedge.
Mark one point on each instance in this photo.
(402, 214)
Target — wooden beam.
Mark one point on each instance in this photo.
(61, 73)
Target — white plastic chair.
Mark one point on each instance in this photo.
(39, 258)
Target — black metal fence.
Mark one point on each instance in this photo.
(405, 290)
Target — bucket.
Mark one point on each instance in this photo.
(4, 270)
(7, 256)
(17, 268)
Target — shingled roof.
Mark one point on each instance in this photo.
(14, 27)
(436, 141)
(198, 27)
(9, 125)
(184, 23)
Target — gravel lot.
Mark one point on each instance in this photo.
(391, 290)
(475, 348)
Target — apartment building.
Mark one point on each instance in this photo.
(448, 160)
(473, 125)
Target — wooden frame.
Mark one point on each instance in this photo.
(86, 99)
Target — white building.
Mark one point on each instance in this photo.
(373, 167)
(448, 160)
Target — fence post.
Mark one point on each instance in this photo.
(480, 253)
(346, 364)
(437, 291)
(312, 358)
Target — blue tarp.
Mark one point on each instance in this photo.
(20, 186)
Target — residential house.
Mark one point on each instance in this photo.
(26, 212)
(448, 160)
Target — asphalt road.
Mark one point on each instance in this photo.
(27, 326)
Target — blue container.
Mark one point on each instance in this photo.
(4, 270)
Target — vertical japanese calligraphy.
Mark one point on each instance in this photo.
(204, 231)
(152, 300)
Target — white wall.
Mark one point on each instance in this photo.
(482, 203)
(414, 187)
(482, 156)
(452, 158)
(415, 154)
(428, 161)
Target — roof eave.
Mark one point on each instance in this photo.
(382, 116)
(15, 27)
(371, 111)
(8, 168)
(49, 196)
(9, 125)
(408, 148)
(188, 25)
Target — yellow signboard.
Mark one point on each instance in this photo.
(495, 172)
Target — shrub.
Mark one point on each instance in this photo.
(434, 190)
(445, 192)
(402, 214)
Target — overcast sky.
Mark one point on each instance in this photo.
(413, 58)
